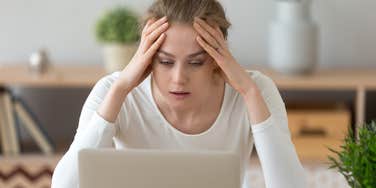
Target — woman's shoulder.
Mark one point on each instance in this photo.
(103, 85)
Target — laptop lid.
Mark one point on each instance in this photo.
(158, 169)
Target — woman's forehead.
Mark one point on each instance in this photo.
(181, 32)
(181, 40)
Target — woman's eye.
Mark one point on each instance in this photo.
(166, 62)
(197, 63)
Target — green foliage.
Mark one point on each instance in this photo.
(357, 160)
(118, 25)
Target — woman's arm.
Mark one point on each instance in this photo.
(257, 108)
(97, 124)
(111, 105)
(278, 158)
(93, 131)
(266, 110)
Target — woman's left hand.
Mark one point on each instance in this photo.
(213, 42)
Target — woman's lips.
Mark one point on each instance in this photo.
(180, 94)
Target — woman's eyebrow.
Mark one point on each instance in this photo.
(197, 53)
(189, 56)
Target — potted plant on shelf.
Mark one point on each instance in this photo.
(357, 160)
(118, 30)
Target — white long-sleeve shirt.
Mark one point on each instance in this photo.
(140, 124)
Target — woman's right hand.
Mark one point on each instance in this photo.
(141, 64)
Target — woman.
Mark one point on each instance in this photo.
(183, 90)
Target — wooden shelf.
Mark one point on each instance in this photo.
(65, 76)
(358, 80)
(328, 78)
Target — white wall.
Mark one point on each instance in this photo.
(66, 29)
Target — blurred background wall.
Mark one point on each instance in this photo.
(66, 29)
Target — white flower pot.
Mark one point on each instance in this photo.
(293, 38)
(117, 56)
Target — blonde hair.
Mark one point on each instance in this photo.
(184, 11)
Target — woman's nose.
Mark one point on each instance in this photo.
(179, 75)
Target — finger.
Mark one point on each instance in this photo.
(147, 25)
(155, 46)
(210, 39)
(211, 51)
(222, 37)
(154, 35)
(220, 32)
(210, 30)
(155, 25)
(150, 21)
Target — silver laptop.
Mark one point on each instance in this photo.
(157, 169)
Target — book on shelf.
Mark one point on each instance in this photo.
(9, 134)
(4, 128)
(32, 125)
(12, 129)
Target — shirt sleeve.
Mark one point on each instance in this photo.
(280, 163)
(93, 132)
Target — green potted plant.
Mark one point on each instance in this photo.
(357, 159)
(118, 30)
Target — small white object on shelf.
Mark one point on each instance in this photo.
(293, 38)
(39, 61)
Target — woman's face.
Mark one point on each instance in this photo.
(182, 65)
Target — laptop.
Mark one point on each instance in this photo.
(99, 168)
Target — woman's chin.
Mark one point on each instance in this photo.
(179, 104)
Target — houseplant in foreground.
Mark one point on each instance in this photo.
(117, 29)
(357, 160)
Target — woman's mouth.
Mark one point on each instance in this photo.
(180, 94)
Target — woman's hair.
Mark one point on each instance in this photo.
(184, 11)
